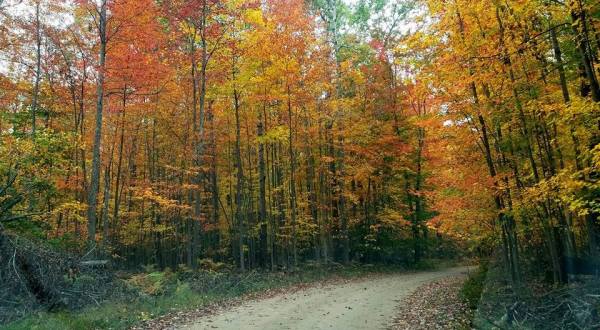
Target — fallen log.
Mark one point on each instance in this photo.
(94, 263)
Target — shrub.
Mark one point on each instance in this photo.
(154, 283)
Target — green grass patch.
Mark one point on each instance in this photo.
(473, 286)
(115, 315)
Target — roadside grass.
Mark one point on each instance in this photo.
(154, 294)
(473, 286)
(120, 314)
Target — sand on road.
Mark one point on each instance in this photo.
(368, 303)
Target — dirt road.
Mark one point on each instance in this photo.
(365, 304)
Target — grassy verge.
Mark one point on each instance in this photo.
(473, 287)
(154, 294)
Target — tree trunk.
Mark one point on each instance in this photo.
(262, 201)
(38, 70)
(581, 36)
(240, 182)
(292, 180)
(95, 179)
(117, 197)
(342, 203)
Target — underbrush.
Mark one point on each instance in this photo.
(35, 277)
(536, 304)
(153, 293)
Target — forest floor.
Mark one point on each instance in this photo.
(366, 303)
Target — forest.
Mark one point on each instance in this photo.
(274, 135)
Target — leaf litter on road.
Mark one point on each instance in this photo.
(435, 305)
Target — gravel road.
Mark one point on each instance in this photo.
(369, 303)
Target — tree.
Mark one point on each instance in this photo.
(101, 23)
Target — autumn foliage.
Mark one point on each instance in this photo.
(266, 134)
